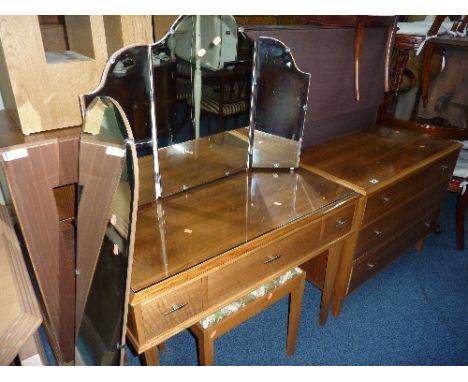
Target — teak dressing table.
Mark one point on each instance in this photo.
(232, 210)
(217, 242)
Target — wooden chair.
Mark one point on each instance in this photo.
(226, 92)
(227, 318)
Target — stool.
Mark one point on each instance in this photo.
(232, 315)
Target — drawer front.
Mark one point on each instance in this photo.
(392, 196)
(259, 264)
(337, 224)
(164, 312)
(383, 229)
(376, 259)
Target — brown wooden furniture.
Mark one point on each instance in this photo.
(456, 182)
(34, 167)
(197, 251)
(206, 336)
(20, 311)
(447, 100)
(403, 178)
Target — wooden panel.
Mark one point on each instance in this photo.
(337, 224)
(42, 96)
(398, 193)
(263, 263)
(398, 219)
(377, 258)
(122, 31)
(65, 198)
(31, 180)
(157, 313)
(162, 25)
(367, 162)
(99, 176)
(20, 312)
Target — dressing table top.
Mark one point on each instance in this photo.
(209, 220)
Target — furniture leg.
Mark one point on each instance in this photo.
(295, 305)
(206, 348)
(425, 73)
(162, 346)
(337, 302)
(330, 275)
(151, 357)
(462, 203)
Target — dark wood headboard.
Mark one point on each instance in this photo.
(328, 53)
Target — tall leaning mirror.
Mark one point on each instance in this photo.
(108, 178)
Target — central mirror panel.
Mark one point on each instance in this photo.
(188, 99)
(202, 72)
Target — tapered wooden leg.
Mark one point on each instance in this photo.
(162, 346)
(206, 349)
(462, 203)
(295, 305)
(337, 302)
(330, 275)
(151, 357)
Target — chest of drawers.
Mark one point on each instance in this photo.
(402, 177)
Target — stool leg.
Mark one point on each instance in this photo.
(295, 305)
(206, 348)
(151, 357)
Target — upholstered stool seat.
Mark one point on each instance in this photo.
(230, 316)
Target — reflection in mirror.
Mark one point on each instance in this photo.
(108, 177)
(208, 86)
(279, 106)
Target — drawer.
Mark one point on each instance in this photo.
(392, 196)
(261, 263)
(171, 309)
(376, 259)
(389, 225)
(337, 224)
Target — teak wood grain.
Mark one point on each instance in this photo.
(51, 161)
(402, 176)
(99, 177)
(200, 250)
(20, 311)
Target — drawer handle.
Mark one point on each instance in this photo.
(271, 259)
(377, 232)
(370, 265)
(340, 223)
(385, 199)
(428, 224)
(443, 167)
(175, 308)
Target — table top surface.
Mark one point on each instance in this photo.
(186, 229)
(371, 160)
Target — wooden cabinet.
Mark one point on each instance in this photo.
(403, 177)
(319, 219)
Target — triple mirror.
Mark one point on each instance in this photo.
(206, 102)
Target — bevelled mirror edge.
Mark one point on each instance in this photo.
(265, 146)
(123, 211)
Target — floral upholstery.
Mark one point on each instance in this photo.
(249, 297)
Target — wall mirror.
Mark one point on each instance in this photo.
(108, 178)
(189, 101)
